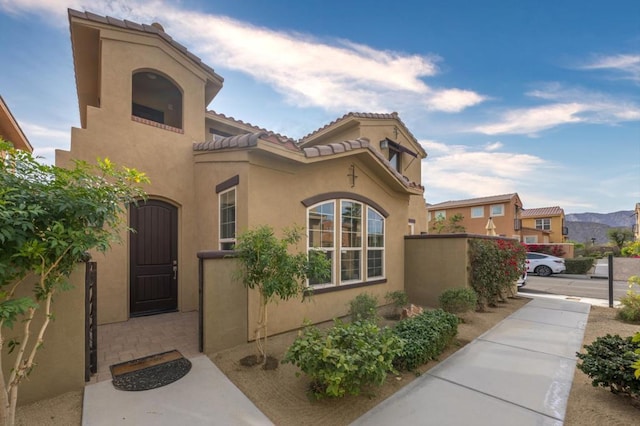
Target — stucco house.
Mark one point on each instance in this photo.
(505, 210)
(10, 129)
(353, 184)
(544, 225)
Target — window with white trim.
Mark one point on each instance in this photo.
(355, 248)
(544, 224)
(530, 239)
(227, 203)
(497, 210)
(477, 212)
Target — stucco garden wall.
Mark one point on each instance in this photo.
(61, 360)
(625, 267)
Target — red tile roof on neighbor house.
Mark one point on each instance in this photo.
(473, 201)
(154, 28)
(542, 212)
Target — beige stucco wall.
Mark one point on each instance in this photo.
(625, 267)
(433, 264)
(556, 223)
(224, 305)
(165, 156)
(61, 360)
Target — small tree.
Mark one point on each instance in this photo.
(619, 236)
(49, 218)
(449, 226)
(268, 266)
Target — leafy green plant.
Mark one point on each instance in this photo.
(458, 300)
(630, 310)
(636, 365)
(363, 307)
(50, 217)
(449, 226)
(425, 336)
(350, 357)
(267, 265)
(631, 250)
(619, 236)
(609, 361)
(579, 266)
(398, 298)
(496, 264)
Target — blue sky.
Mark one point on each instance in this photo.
(536, 97)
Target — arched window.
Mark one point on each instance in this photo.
(156, 98)
(355, 248)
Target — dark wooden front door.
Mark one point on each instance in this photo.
(154, 257)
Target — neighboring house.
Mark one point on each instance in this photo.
(544, 225)
(10, 129)
(505, 211)
(353, 184)
(636, 226)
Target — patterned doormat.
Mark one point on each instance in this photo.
(150, 372)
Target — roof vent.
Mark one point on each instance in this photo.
(158, 26)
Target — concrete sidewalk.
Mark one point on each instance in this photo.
(518, 373)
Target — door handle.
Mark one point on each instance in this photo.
(175, 269)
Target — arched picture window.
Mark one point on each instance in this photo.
(156, 98)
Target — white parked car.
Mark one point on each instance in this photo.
(522, 281)
(544, 264)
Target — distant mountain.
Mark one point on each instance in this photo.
(585, 226)
(623, 218)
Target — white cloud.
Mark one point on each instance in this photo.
(627, 65)
(493, 146)
(569, 106)
(331, 74)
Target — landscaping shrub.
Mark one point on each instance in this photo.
(458, 300)
(630, 310)
(551, 249)
(345, 360)
(496, 264)
(425, 336)
(579, 266)
(609, 363)
(397, 298)
(363, 307)
(631, 250)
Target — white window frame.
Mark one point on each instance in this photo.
(337, 249)
(498, 212)
(222, 241)
(543, 221)
(530, 239)
(474, 214)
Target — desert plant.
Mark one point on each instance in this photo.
(49, 218)
(458, 300)
(449, 226)
(267, 265)
(363, 307)
(425, 336)
(631, 250)
(609, 362)
(350, 357)
(619, 236)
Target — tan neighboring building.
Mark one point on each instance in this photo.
(636, 227)
(505, 211)
(544, 225)
(10, 130)
(353, 184)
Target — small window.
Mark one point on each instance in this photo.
(441, 214)
(227, 202)
(497, 210)
(395, 158)
(544, 224)
(477, 212)
(531, 239)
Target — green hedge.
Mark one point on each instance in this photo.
(581, 265)
(425, 336)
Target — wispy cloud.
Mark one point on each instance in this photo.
(627, 65)
(569, 106)
(336, 75)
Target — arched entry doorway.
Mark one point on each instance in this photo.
(153, 258)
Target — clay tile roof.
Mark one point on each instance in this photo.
(244, 141)
(142, 28)
(543, 211)
(473, 201)
(383, 116)
(256, 128)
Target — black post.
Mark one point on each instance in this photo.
(610, 281)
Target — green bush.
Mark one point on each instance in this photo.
(631, 250)
(630, 310)
(609, 363)
(397, 298)
(579, 266)
(458, 300)
(346, 359)
(363, 307)
(425, 337)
